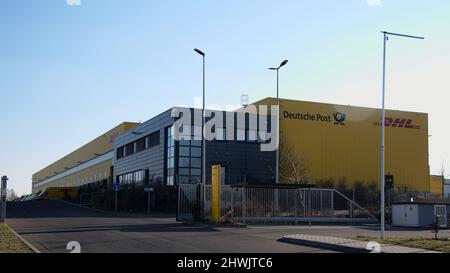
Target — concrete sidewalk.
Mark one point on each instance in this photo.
(348, 245)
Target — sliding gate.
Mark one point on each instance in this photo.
(271, 205)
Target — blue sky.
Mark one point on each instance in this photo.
(69, 73)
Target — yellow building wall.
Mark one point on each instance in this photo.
(96, 147)
(351, 151)
(436, 184)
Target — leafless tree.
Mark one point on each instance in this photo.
(293, 167)
(11, 195)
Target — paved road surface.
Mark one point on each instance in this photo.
(50, 225)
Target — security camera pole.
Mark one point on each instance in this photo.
(277, 166)
(383, 120)
(3, 199)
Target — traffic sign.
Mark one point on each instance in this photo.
(149, 189)
(117, 187)
(389, 180)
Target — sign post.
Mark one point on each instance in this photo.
(116, 188)
(3, 199)
(149, 190)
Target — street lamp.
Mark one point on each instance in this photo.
(203, 128)
(3, 196)
(383, 120)
(277, 167)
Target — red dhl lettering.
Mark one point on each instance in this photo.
(398, 123)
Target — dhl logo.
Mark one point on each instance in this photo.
(398, 123)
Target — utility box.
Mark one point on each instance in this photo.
(421, 215)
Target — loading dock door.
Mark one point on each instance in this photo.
(441, 212)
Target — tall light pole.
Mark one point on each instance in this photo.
(277, 164)
(3, 196)
(203, 133)
(383, 120)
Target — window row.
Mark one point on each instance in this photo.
(184, 179)
(170, 155)
(89, 179)
(139, 145)
(130, 178)
(221, 134)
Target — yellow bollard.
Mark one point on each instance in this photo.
(215, 194)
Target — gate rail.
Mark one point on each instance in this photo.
(272, 205)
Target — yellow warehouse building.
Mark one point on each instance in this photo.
(437, 183)
(340, 143)
(88, 164)
(336, 143)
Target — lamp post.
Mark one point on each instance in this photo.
(203, 133)
(3, 196)
(383, 120)
(277, 163)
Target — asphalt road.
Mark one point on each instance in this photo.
(50, 225)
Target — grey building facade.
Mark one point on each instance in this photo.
(154, 152)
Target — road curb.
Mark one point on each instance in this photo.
(212, 224)
(28, 244)
(119, 213)
(326, 246)
(348, 245)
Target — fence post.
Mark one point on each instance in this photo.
(196, 202)
(309, 206)
(244, 204)
(332, 201)
(354, 202)
(178, 203)
(276, 202)
(232, 203)
(115, 208)
(305, 205)
(296, 205)
(321, 200)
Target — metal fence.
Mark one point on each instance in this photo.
(272, 205)
(87, 199)
(189, 197)
(396, 197)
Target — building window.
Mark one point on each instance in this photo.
(183, 159)
(170, 155)
(184, 151)
(140, 145)
(221, 134)
(132, 178)
(154, 139)
(183, 162)
(196, 151)
(129, 149)
(240, 135)
(183, 171)
(120, 153)
(189, 163)
(252, 135)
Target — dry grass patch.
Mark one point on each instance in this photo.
(9, 243)
(441, 245)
